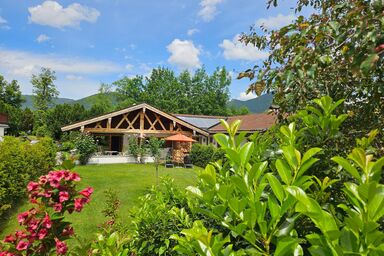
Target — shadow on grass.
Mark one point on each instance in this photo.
(11, 212)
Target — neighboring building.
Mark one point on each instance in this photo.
(144, 121)
(3, 124)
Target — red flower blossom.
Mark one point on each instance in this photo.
(10, 239)
(61, 247)
(79, 204)
(68, 231)
(75, 176)
(54, 182)
(43, 180)
(47, 223)
(20, 234)
(6, 253)
(22, 245)
(33, 225)
(63, 196)
(86, 192)
(32, 186)
(57, 207)
(21, 218)
(42, 233)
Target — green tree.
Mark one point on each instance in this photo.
(154, 148)
(10, 93)
(10, 103)
(45, 92)
(63, 114)
(129, 90)
(336, 51)
(162, 90)
(44, 89)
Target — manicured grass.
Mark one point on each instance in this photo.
(130, 181)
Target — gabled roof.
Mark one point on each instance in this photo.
(130, 109)
(249, 123)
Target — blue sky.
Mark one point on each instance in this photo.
(88, 42)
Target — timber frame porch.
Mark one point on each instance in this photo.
(141, 121)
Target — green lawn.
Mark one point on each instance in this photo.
(130, 181)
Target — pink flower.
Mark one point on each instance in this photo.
(61, 247)
(63, 196)
(22, 245)
(33, 225)
(54, 182)
(57, 207)
(42, 233)
(6, 253)
(86, 192)
(47, 223)
(75, 176)
(20, 234)
(67, 175)
(68, 231)
(21, 218)
(43, 180)
(79, 204)
(59, 174)
(9, 239)
(32, 186)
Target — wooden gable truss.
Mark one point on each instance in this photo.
(140, 119)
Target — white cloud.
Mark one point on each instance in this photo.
(245, 96)
(208, 9)
(235, 50)
(192, 31)
(275, 22)
(25, 64)
(184, 54)
(72, 77)
(42, 38)
(4, 23)
(51, 13)
(129, 67)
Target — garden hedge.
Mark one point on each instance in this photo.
(20, 162)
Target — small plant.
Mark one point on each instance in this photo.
(45, 231)
(86, 146)
(110, 211)
(136, 149)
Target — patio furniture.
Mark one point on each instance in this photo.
(111, 152)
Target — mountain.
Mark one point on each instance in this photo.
(29, 101)
(88, 101)
(256, 105)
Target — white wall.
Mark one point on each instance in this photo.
(117, 160)
(2, 131)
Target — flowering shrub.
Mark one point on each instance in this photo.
(45, 229)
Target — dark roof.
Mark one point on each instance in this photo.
(249, 123)
(203, 122)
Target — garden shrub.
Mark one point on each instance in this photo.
(21, 161)
(85, 145)
(201, 155)
(283, 202)
(154, 221)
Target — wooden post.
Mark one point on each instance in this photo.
(109, 123)
(142, 122)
